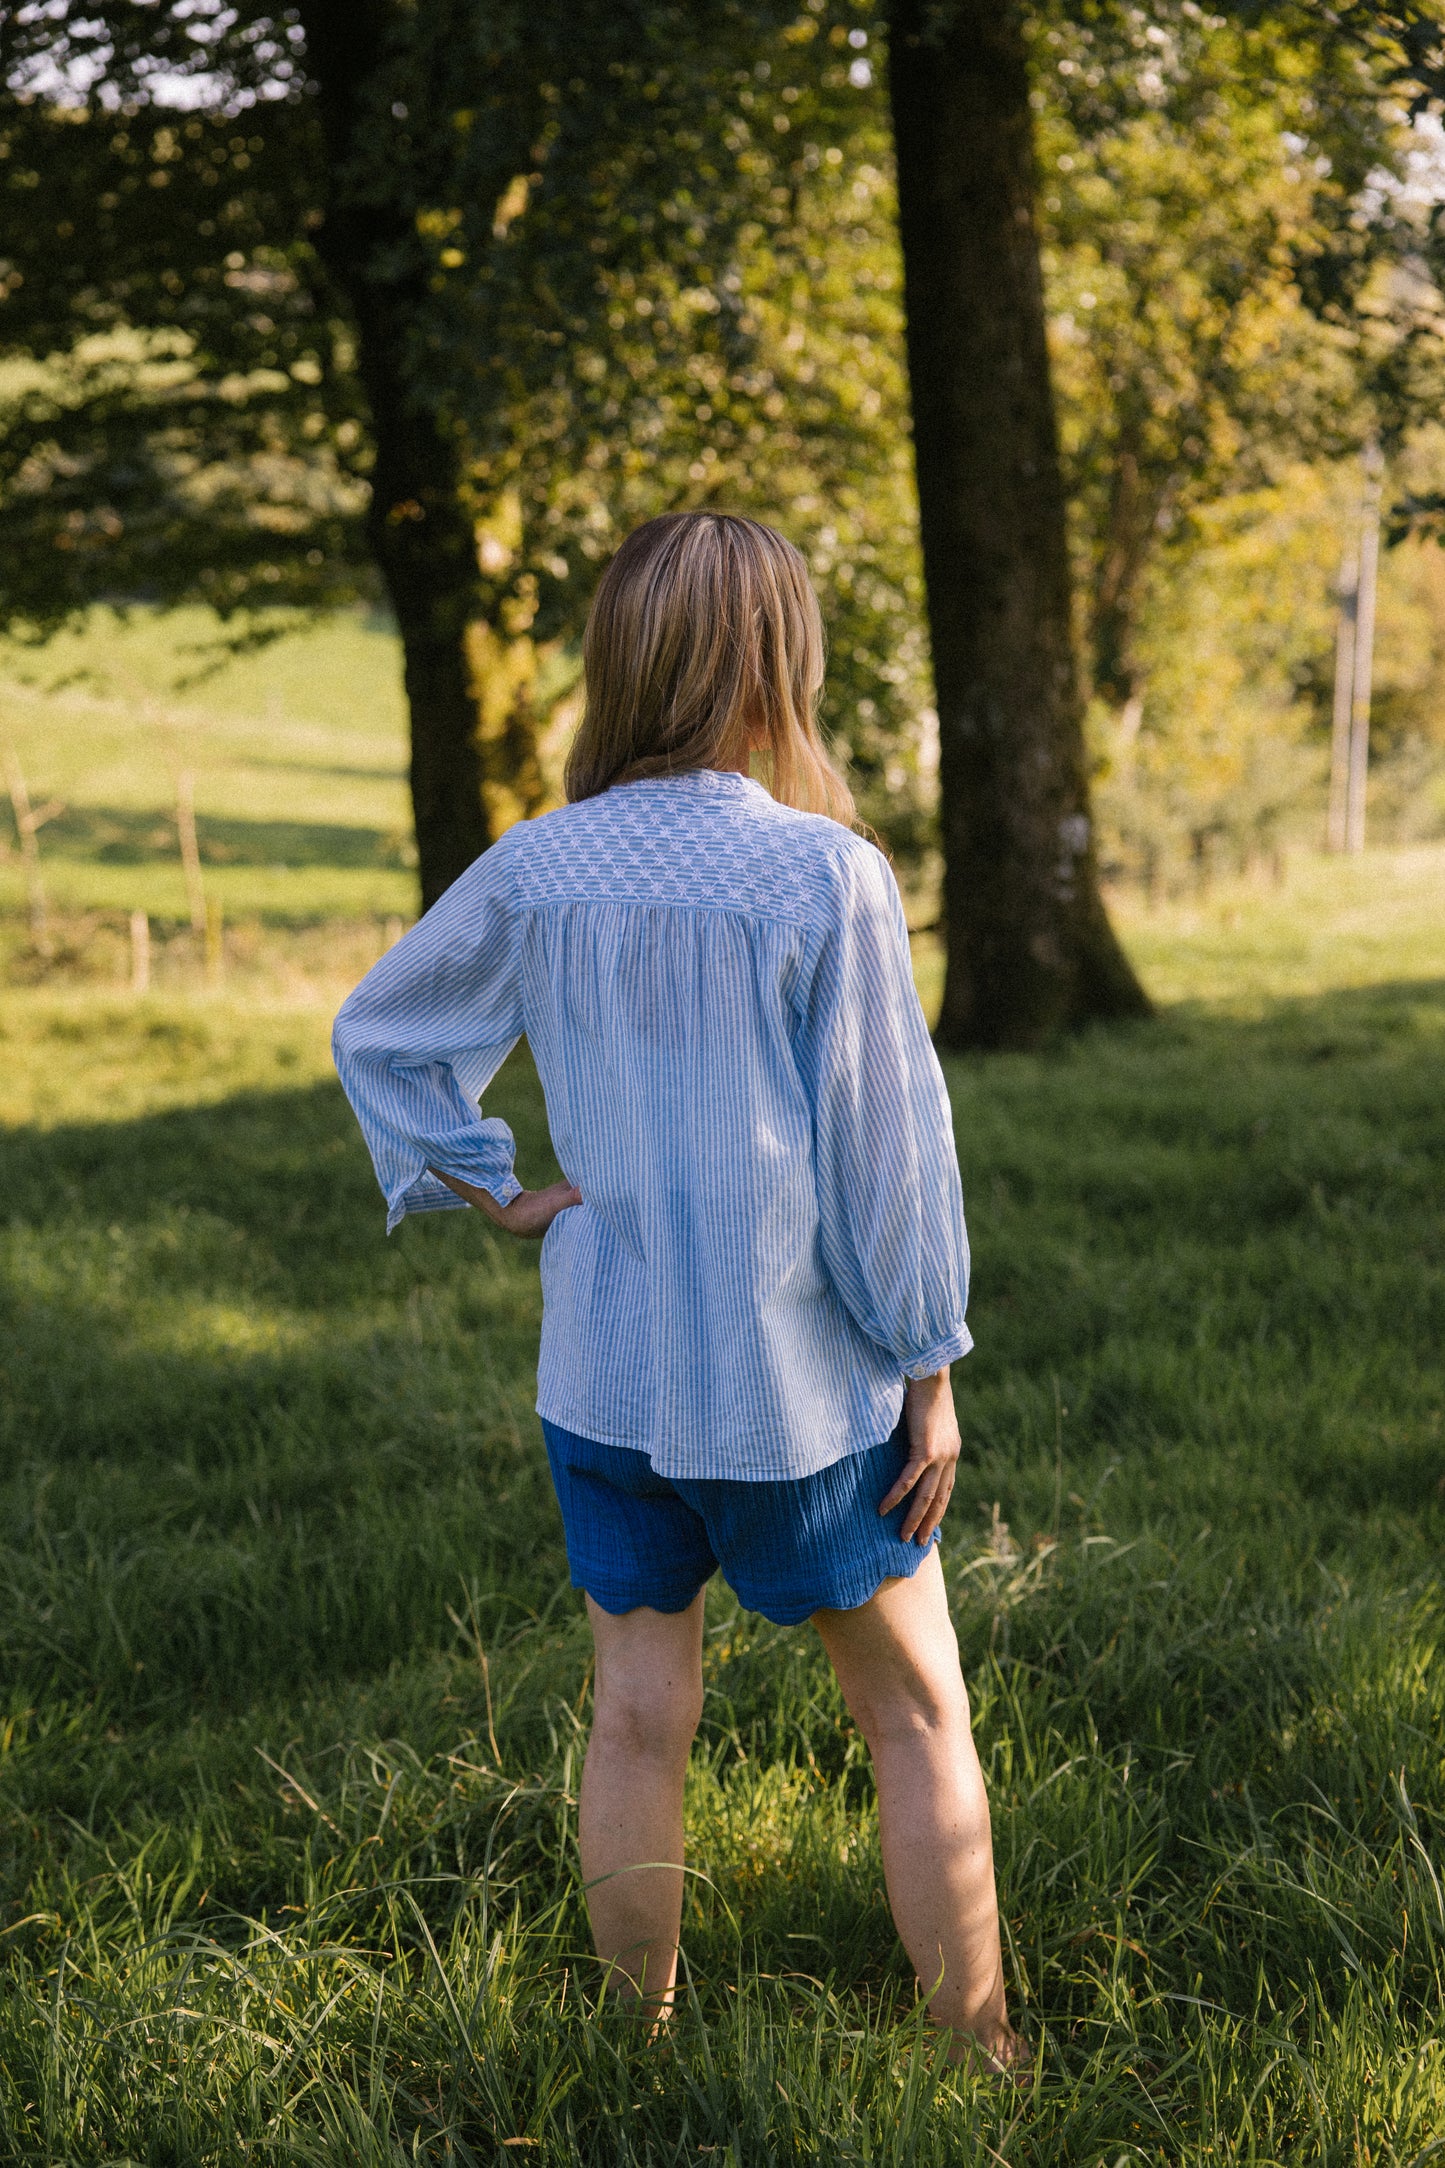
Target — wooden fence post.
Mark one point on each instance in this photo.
(29, 820)
(190, 849)
(140, 952)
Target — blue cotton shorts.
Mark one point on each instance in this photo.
(786, 1549)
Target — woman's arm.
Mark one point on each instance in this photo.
(890, 1208)
(423, 1035)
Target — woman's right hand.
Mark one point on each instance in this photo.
(533, 1212)
(529, 1214)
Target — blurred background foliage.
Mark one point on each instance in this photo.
(656, 264)
(1243, 263)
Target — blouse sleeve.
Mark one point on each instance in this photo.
(890, 1204)
(422, 1036)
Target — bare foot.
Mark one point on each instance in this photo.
(1001, 2053)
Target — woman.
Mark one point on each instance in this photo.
(754, 1275)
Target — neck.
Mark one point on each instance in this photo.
(742, 765)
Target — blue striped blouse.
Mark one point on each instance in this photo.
(738, 1077)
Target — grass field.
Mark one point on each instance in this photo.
(294, 1689)
(298, 757)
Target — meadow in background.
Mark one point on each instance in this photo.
(294, 1689)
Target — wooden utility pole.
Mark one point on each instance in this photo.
(1364, 652)
(1347, 596)
(1354, 665)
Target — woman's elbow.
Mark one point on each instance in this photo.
(350, 1036)
(341, 1038)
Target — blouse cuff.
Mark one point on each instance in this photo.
(936, 1358)
(428, 1194)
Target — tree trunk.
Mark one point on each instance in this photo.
(1030, 949)
(419, 531)
(426, 549)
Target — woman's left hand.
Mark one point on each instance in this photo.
(933, 1449)
(529, 1214)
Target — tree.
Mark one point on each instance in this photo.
(497, 173)
(267, 279)
(382, 97)
(1030, 949)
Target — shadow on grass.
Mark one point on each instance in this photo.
(245, 1436)
(1307, 1023)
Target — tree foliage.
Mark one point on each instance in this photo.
(1239, 229)
(189, 421)
(1219, 266)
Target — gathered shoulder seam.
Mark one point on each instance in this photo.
(689, 904)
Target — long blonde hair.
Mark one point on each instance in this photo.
(704, 639)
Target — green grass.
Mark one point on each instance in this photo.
(1334, 923)
(298, 755)
(293, 1691)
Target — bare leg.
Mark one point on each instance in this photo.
(896, 1658)
(646, 1702)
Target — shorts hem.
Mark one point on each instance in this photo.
(793, 1615)
(617, 1602)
